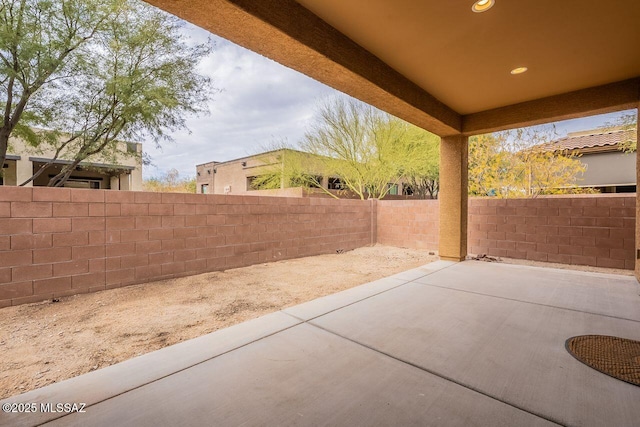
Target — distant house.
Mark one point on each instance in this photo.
(237, 176)
(95, 173)
(609, 170)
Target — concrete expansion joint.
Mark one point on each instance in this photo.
(344, 306)
(439, 375)
(369, 296)
(527, 302)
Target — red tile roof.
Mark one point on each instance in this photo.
(591, 139)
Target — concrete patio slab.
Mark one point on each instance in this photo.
(100, 385)
(510, 350)
(458, 344)
(290, 379)
(599, 293)
(324, 305)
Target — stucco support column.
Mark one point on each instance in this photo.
(453, 197)
(24, 171)
(125, 182)
(136, 179)
(637, 251)
(114, 183)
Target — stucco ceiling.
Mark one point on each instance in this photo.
(464, 58)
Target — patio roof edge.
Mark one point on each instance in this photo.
(280, 30)
(602, 99)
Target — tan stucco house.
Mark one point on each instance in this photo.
(236, 176)
(608, 169)
(95, 173)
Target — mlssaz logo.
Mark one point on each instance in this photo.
(65, 408)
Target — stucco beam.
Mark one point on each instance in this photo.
(288, 33)
(586, 102)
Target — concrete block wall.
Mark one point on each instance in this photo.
(57, 242)
(408, 223)
(595, 230)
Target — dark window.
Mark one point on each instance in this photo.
(306, 180)
(5, 166)
(132, 147)
(251, 184)
(82, 183)
(626, 189)
(335, 184)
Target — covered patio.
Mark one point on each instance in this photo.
(453, 344)
(455, 68)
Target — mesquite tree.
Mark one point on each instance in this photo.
(367, 149)
(91, 73)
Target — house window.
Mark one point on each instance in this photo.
(93, 184)
(306, 181)
(251, 184)
(335, 184)
(393, 189)
(2, 172)
(204, 188)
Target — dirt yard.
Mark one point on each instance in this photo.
(48, 342)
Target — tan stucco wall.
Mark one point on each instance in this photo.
(234, 175)
(231, 174)
(205, 176)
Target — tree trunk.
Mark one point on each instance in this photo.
(63, 176)
(4, 145)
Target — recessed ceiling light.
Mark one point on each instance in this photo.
(519, 70)
(482, 5)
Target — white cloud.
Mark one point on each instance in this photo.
(261, 101)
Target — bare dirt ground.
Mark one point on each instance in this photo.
(48, 342)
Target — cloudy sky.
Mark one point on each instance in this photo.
(260, 102)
